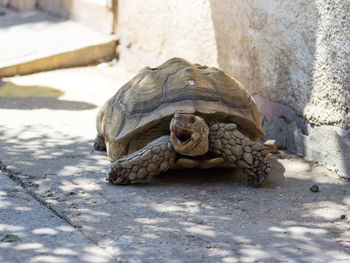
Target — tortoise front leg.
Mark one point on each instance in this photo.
(155, 158)
(226, 141)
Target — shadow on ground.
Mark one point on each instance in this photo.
(14, 96)
(181, 216)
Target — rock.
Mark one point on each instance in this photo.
(314, 188)
(343, 217)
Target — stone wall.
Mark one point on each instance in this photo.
(166, 28)
(292, 55)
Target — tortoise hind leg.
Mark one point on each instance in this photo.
(155, 158)
(226, 141)
(99, 143)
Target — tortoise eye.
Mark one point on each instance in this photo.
(192, 120)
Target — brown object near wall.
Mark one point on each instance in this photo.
(271, 146)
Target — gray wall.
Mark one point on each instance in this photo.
(292, 55)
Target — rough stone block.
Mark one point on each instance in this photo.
(327, 145)
(271, 146)
(23, 5)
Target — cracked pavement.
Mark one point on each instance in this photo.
(60, 205)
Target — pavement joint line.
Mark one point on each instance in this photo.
(12, 175)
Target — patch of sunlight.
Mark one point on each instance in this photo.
(12, 90)
(65, 252)
(5, 204)
(66, 228)
(81, 184)
(253, 254)
(151, 221)
(301, 231)
(188, 207)
(49, 259)
(86, 211)
(230, 260)
(52, 202)
(23, 208)
(110, 246)
(346, 200)
(329, 213)
(10, 228)
(276, 229)
(150, 236)
(44, 231)
(201, 230)
(339, 256)
(28, 246)
(94, 255)
(216, 251)
(327, 209)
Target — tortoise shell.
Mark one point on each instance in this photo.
(155, 94)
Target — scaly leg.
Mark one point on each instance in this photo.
(99, 143)
(155, 158)
(226, 141)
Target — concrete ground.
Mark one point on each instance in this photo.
(63, 210)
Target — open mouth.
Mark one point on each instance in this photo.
(181, 136)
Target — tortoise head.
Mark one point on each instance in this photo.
(189, 134)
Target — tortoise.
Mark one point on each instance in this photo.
(181, 115)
